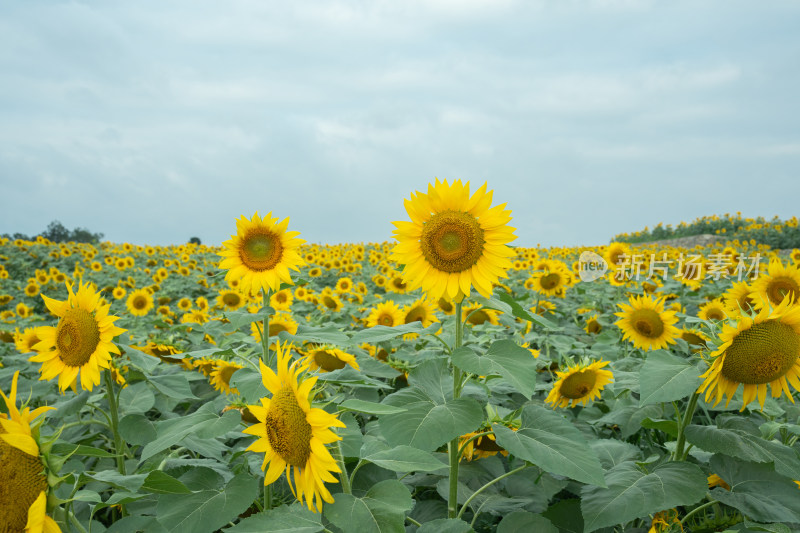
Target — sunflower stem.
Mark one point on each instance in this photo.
(265, 331)
(452, 447)
(679, 455)
(489, 484)
(112, 407)
(697, 510)
(343, 478)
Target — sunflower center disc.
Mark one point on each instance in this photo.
(386, 320)
(488, 445)
(415, 315)
(77, 336)
(23, 480)
(578, 384)
(477, 318)
(647, 323)
(329, 302)
(452, 241)
(327, 361)
(715, 314)
(231, 299)
(140, 302)
(761, 354)
(780, 287)
(275, 328)
(288, 431)
(550, 281)
(261, 251)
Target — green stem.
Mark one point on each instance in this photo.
(489, 484)
(474, 437)
(112, 407)
(409, 519)
(678, 455)
(265, 332)
(343, 477)
(697, 510)
(452, 447)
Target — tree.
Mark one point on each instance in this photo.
(194, 240)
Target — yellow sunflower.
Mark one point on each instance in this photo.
(713, 310)
(277, 323)
(230, 300)
(446, 306)
(220, 376)
(386, 313)
(476, 314)
(281, 300)
(592, 325)
(292, 434)
(81, 342)
(645, 323)
(261, 253)
(756, 352)
(421, 310)
(328, 359)
(580, 383)
(328, 301)
(23, 498)
(738, 300)
(139, 302)
(26, 340)
(780, 282)
(453, 241)
(118, 293)
(695, 338)
(483, 446)
(616, 254)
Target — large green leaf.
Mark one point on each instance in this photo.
(325, 335)
(284, 519)
(381, 510)
(504, 357)
(505, 303)
(207, 510)
(445, 525)
(406, 459)
(173, 385)
(249, 383)
(524, 521)
(162, 483)
(631, 493)
(172, 431)
(384, 333)
(665, 378)
(371, 408)
(426, 424)
(747, 446)
(757, 491)
(549, 441)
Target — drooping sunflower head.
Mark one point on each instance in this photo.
(476, 314)
(292, 434)
(644, 322)
(422, 310)
(82, 342)
(580, 383)
(328, 359)
(593, 326)
(780, 282)
(756, 352)
(261, 253)
(695, 338)
(24, 492)
(139, 302)
(220, 376)
(453, 241)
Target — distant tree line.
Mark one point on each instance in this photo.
(56, 232)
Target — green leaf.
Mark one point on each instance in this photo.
(425, 424)
(325, 335)
(566, 516)
(385, 333)
(381, 510)
(284, 519)
(370, 407)
(136, 398)
(144, 362)
(520, 312)
(66, 449)
(757, 491)
(162, 483)
(445, 525)
(770, 528)
(217, 427)
(137, 429)
(504, 357)
(173, 385)
(249, 384)
(549, 441)
(172, 431)
(130, 482)
(633, 494)
(666, 378)
(612, 452)
(208, 510)
(746, 446)
(670, 427)
(525, 521)
(242, 318)
(406, 459)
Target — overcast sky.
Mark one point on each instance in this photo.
(155, 121)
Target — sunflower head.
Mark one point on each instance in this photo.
(645, 322)
(580, 383)
(261, 253)
(780, 282)
(453, 241)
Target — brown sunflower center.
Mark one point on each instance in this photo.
(452, 241)
(23, 480)
(781, 287)
(276, 327)
(261, 250)
(288, 431)
(487, 444)
(329, 302)
(231, 299)
(648, 323)
(578, 384)
(417, 314)
(478, 317)
(386, 319)
(692, 338)
(139, 302)
(715, 313)
(550, 281)
(761, 354)
(77, 337)
(593, 326)
(445, 306)
(327, 361)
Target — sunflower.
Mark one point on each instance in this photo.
(81, 342)
(32, 289)
(23, 498)
(780, 282)
(281, 300)
(118, 293)
(344, 285)
(421, 310)
(453, 241)
(292, 434)
(580, 383)
(756, 352)
(277, 323)
(616, 254)
(737, 299)
(476, 314)
(446, 306)
(386, 313)
(695, 338)
(593, 325)
(645, 323)
(26, 340)
(139, 302)
(713, 310)
(220, 376)
(261, 253)
(328, 359)
(481, 447)
(328, 301)
(548, 282)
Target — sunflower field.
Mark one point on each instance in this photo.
(445, 382)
